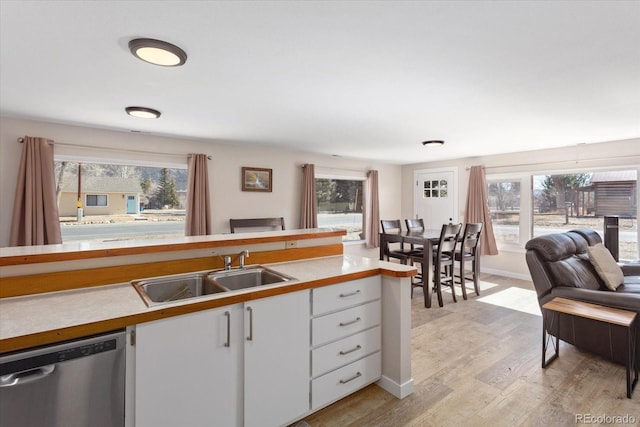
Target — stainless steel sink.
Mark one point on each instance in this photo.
(233, 280)
(165, 289)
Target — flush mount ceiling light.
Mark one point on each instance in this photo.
(433, 143)
(143, 112)
(158, 52)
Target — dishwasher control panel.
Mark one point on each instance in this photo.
(58, 356)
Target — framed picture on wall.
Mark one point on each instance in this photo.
(256, 179)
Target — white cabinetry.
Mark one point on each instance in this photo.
(245, 364)
(185, 374)
(276, 359)
(346, 340)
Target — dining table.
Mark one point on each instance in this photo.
(427, 239)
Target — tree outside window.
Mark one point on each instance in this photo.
(340, 205)
(120, 201)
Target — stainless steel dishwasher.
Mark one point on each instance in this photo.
(77, 383)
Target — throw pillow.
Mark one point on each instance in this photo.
(606, 266)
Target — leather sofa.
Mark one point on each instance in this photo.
(560, 267)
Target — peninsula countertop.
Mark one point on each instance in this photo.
(28, 321)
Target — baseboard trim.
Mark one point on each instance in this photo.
(398, 390)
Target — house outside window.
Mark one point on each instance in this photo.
(119, 202)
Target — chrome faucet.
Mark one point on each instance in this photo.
(228, 260)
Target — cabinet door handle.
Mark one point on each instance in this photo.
(228, 316)
(357, 375)
(250, 337)
(350, 294)
(356, 320)
(356, 348)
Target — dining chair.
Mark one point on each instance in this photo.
(394, 226)
(443, 263)
(256, 224)
(415, 225)
(469, 252)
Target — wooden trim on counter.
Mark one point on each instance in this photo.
(85, 278)
(72, 252)
(83, 330)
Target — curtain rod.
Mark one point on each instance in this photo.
(21, 140)
(558, 162)
(341, 169)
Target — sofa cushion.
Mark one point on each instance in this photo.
(630, 287)
(580, 242)
(558, 254)
(606, 266)
(552, 247)
(592, 237)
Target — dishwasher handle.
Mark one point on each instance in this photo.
(26, 377)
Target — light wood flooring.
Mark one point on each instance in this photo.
(478, 363)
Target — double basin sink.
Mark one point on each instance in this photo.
(166, 289)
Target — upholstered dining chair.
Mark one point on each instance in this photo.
(469, 252)
(398, 250)
(443, 263)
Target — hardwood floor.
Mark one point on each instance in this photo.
(478, 363)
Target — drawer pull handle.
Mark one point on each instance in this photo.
(356, 348)
(357, 375)
(356, 320)
(350, 294)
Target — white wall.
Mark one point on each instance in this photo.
(227, 199)
(396, 182)
(582, 156)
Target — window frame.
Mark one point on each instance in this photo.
(344, 176)
(97, 196)
(526, 196)
(525, 206)
(100, 155)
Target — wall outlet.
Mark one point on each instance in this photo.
(291, 244)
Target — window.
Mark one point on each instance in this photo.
(340, 205)
(526, 205)
(437, 188)
(96, 200)
(504, 206)
(565, 201)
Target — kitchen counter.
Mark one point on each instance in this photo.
(32, 320)
(85, 250)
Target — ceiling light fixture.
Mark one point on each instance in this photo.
(433, 142)
(143, 112)
(158, 52)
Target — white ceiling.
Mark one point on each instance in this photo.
(365, 79)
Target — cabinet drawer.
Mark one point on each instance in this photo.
(340, 353)
(347, 294)
(344, 323)
(346, 380)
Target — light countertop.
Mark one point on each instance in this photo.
(33, 320)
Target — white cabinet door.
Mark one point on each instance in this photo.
(186, 374)
(276, 359)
